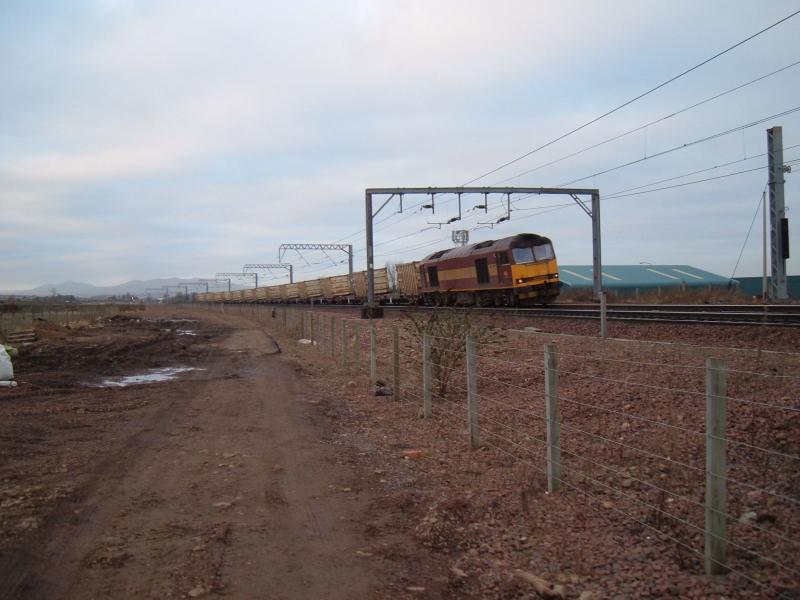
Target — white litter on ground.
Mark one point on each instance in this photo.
(152, 376)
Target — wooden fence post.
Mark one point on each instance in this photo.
(426, 375)
(373, 353)
(473, 424)
(553, 418)
(396, 362)
(716, 469)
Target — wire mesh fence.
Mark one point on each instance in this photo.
(63, 315)
(695, 448)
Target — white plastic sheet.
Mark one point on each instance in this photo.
(6, 368)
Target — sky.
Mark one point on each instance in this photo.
(183, 138)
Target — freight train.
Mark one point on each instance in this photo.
(513, 271)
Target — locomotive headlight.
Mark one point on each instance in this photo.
(520, 280)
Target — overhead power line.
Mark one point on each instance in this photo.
(632, 100)
(685, 183)
(649, 124)
(555, 207)
(702, 140)
(410, 210)
(626, 192)
(749, 229)
(540, 210)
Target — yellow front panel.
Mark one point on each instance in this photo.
(535, 273)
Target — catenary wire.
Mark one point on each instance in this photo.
(646, 125)
(631, 101)
(683, 146)
(607, 140)
(749, 229)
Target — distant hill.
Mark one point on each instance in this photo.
(135, 288)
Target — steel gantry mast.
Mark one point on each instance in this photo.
(268, 266)
(346, 248)
(215, 281)
(199, 283)
(779, 224)
(254, 275)
(593, 210)
(184, 286)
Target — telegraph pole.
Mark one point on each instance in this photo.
(779, 224)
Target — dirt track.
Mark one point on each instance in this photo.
(221, 482)
(284, 476)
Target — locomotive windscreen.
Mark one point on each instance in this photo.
(543, 252)
(533, 253)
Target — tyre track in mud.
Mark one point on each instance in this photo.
(20, 576)
(222, 486)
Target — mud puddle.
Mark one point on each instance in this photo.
(151, 376)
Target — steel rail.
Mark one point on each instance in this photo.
(785, 315)
(742, 314)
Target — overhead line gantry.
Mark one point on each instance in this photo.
(346, 248)
(254, 275)
(268, 266)
(577, 194)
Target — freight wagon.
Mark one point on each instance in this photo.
(512, 271)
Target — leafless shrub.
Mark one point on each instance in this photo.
(448, 329)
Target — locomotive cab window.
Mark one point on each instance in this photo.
(502, 258)
(523, 255)
(482, 270)
(543, 252)
(433, 276)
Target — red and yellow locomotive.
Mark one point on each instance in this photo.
(512, 271)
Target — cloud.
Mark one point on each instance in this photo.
(176, 82)
(211, 132)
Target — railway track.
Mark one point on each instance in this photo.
(785, 315)
(730, 314)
